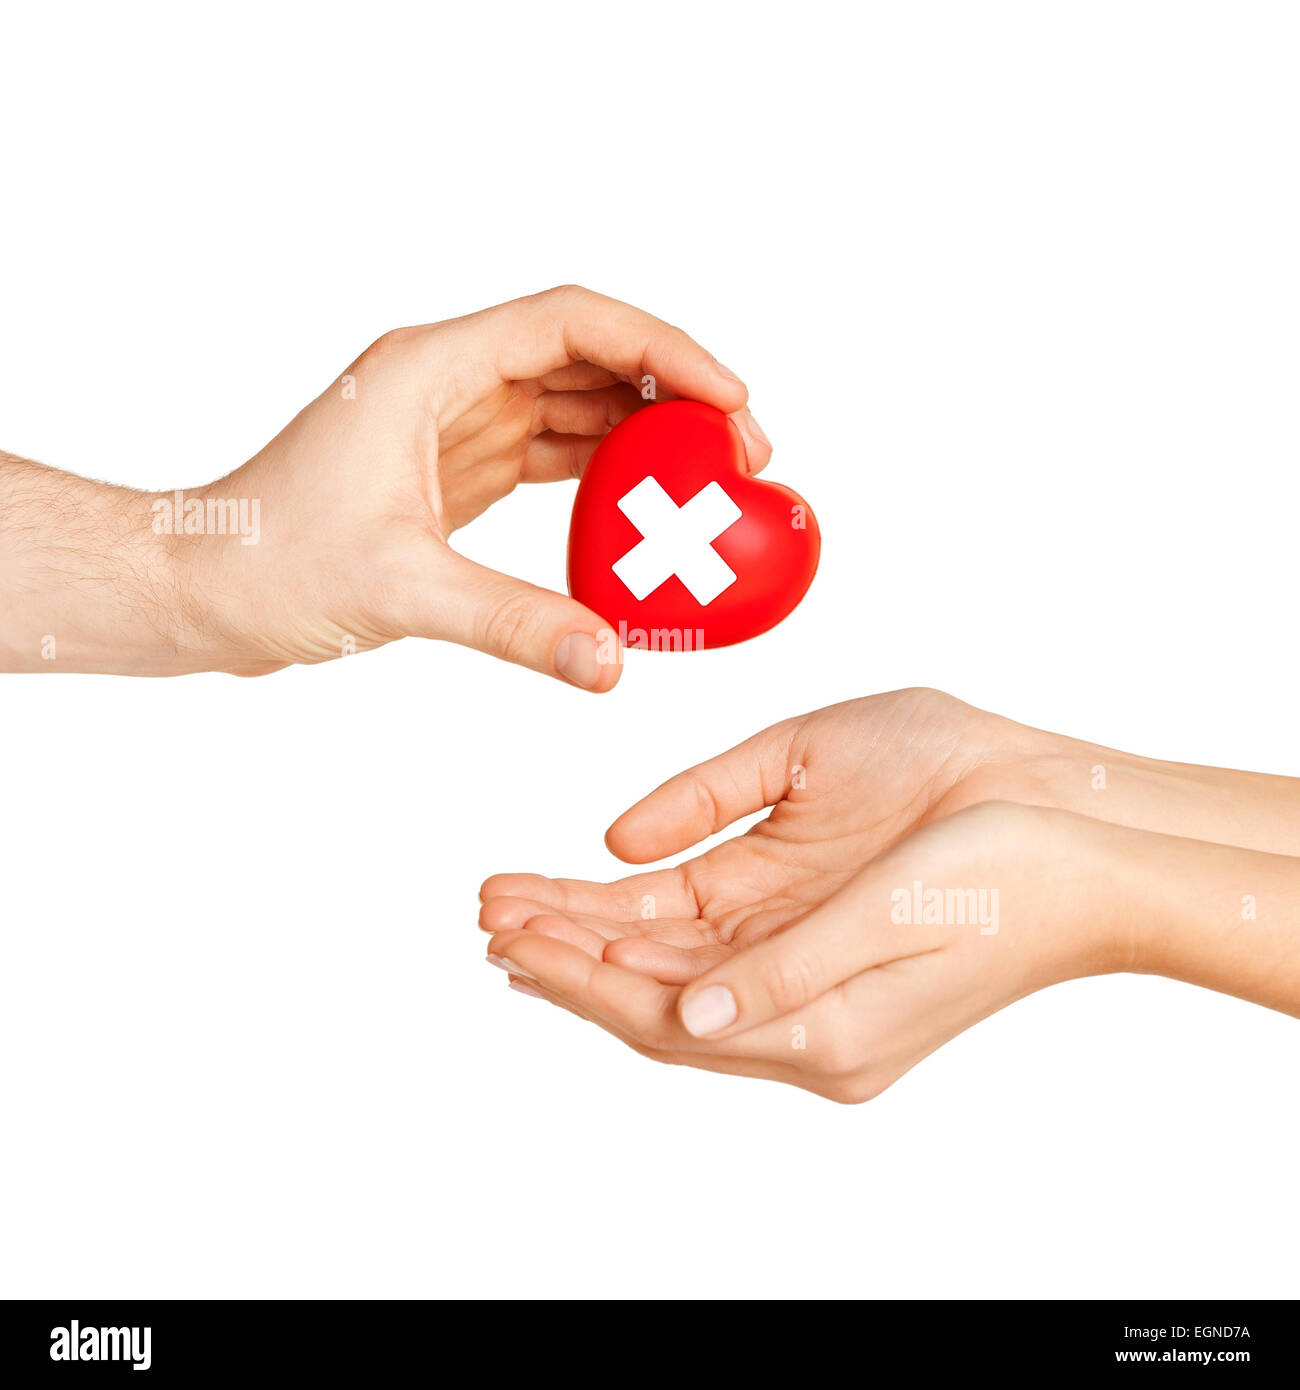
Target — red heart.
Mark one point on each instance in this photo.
(675, 545)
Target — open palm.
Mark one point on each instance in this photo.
(844, 783)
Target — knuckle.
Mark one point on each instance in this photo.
(706, 802)
(510, 627)
(786, 979)
(853, 1090)
(926, 697)
(566, 292)
(390, 342)
(616, 410)
(575, 456)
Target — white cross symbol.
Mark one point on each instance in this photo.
(677, 540)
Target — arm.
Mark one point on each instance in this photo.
(85, 584)
(1215, 915)
(853, 994)
(335, 537)
(913, 877)
(1253, 809)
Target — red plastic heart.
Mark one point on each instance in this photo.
(675, 545)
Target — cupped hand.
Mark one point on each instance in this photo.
(856, 990)
(358, 496)
(866, 797)
(844, 783)
(924, 864)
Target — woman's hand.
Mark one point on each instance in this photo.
(855, 991)
(346, 515)
(890, 900)
(844, 784)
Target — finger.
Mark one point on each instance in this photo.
(849, 933)
(758, 448)
(759, 1067)
(504, 913)
(556, 458)
(596, 935)
(570, 324)
(579, 376)
(518, 622)
(638, 898)
(563, 451)
(567, 929)
(585, 412)
(640, 1006)
(584, 377)
(639, 1009)
(510, 914)
(662, 960)
(583, 404)
(707, 798)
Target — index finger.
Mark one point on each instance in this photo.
(570, 324)
(706, 798)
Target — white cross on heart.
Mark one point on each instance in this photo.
(677, 540)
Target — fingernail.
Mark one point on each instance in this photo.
(526, 989)
(726, 371)
(708, 1011)
(512, 966)
(577, 660)
(755, 428)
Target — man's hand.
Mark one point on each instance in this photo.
(354, 503)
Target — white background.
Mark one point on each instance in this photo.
(1016, 291)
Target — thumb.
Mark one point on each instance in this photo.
(478, 607)
(845, 935)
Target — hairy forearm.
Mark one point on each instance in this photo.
(85, 583)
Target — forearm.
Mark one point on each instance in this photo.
(85, 582)
(1214, 915)
(1250, 809)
